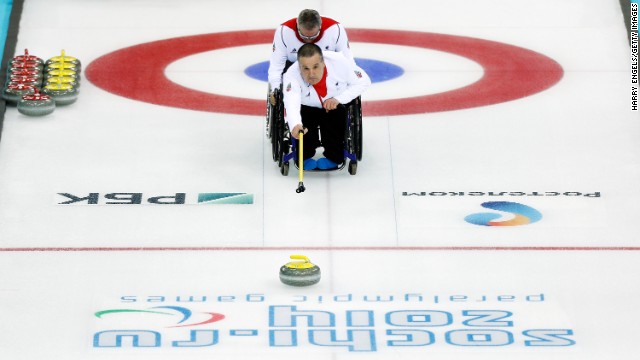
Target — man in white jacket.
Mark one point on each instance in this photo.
(314, 88)
(308, 27)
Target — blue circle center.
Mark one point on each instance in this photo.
(377, 70)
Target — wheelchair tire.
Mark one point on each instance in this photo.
(284, 169)
(353, 132)
(353, 167)
(276, 142)
(268, 120)
(358, 129)
(276, 122)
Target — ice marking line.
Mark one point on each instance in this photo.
(327, 248)
(393, 183)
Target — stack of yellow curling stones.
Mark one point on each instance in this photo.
(38, 86)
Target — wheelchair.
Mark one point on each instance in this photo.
(284, 146)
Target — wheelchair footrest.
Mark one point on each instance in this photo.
(340, 167)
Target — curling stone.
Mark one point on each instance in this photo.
(25, 79)
(64, 58)
(62, 94)
(62, 80)
(34, 73)
(31, 65)
(61, 66)
(63, 72)
(300, 273)
(14, 92)
(36, 104)
(27, 57)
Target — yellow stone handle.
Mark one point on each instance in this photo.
(304, 264)
(299, 257)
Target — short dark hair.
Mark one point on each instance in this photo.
(309, 19)
(309, 50)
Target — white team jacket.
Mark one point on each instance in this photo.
(286, 43)
(345, 82)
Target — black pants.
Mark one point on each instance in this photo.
(332, 127)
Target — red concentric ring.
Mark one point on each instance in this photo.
(510, 72)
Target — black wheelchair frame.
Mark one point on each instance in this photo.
(284, 147)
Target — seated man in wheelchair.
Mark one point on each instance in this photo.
(315, 89)
(308, 27)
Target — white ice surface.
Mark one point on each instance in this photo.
(369, 239)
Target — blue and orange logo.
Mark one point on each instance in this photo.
(524, 214)
(186, 318)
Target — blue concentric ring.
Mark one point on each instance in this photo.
(377, 70)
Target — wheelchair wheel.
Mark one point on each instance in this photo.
(275, 141)
(269, 115)
(353, 133)
(278, 132)
(278, 144)
(358, 128)
(281, 145)
(275, 118)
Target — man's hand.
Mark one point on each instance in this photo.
(296, 130)
(330, 104)
(272, 98)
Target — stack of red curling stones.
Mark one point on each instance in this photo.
(37, 86)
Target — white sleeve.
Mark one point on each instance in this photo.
(278, 59)
(292, 98)
(342, 45)
(357, 82)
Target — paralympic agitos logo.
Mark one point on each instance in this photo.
(180, 316)
(523, 214)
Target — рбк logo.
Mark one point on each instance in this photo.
(140, 199)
